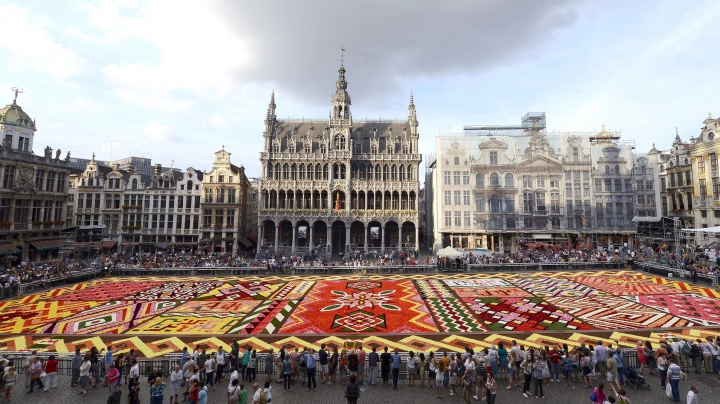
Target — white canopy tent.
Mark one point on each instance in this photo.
(702, 236)
(449, 252)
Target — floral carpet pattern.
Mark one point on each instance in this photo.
(358, 305)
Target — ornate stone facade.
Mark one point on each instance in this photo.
(341, 184)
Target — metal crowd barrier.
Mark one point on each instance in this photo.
(65, 362)
(545, 266)
(71, 277)
(665, 270)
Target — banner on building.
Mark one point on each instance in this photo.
(374, 233)
(302, 231)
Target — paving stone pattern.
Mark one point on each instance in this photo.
(708, 384)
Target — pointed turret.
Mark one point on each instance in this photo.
(677, 136)
(341, 99)
(412, 113)
(269, 121)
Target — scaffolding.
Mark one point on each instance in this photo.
(83, 244)
(531, 121)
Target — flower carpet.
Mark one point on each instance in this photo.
(393, 305)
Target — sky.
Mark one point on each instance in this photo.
(176, 80)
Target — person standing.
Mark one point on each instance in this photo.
(184, 358)
(269, 364)
(210, 371)
(51, 367)
(527, 368)
(324, 368)
(692, 395)
(602, 358)
(77, 361)
(662, 364)
(108, 361)
(133, 375)
(352, 390)
(252, 366)
(310, 361)
(373, 365)
(618, 356)
(467, 382)
(202, 393)
(539, 367)
(244, 363)
(612, 370)
(395, 368)
(176, 378)
(361, 366)
(411, 368)
(385, 360)
(286, 373)
(84, 379)
(492, 386)
(35, 370)
(555, 364)
(220, 365)
(116, 396)
(111, 378)
(673, 375)
(157, 391)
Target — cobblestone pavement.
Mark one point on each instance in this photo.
(708, 384)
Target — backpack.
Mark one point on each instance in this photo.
(263, 398)
(460, 368)
(303, 362)
(686, 349)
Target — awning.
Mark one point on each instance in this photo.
(8, 248)
(252, 238)
(246, 242)
(52, 244)
(542, 236)
(652, 219)
(106, 245)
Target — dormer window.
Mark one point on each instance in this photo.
(276, 148)
(373, 149)
(323, 148)
(307, 147)
(339, 142)
(221, 178)
(358, 148)
(291, 147)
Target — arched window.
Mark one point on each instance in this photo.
(479, 180)
(309, 171)
(318, 172)
(402, 173)
(607, 170)
(301, 172)
(508, 180)
(386, 173)
(134, 183)
(286, 171)
(358, 148)
(457, 161)
(617, 170)
(270, 171)
(339, 142)
(494, 204)
(325, 172)
(189, 185)
(410, 172)
(277, 171)
(393, 173)
(576, 155)
(494, 180)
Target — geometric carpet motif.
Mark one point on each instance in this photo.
(452, 315)
(31, 316)
(113, 317)
(546, 287)
(329, 306)
(174, 291)
(614, 312)
(699, 309)
(527, 314)
(109, 291)
(415, 305)
(433, 289)
(624, 285)
(257, 290)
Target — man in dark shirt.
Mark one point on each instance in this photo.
(115, 397)
(372, 364)
(324, 371)
(385, 360)
(155, 374)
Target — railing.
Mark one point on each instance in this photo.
(65, 362)
(664, 270)
(545, 266)
(71, 277)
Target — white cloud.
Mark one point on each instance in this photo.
(30, 46)
(159, 132)
(218, 121)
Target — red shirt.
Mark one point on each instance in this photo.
(194, 393)
(554, 357)
(51, 366)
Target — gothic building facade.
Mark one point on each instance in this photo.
(340, 184)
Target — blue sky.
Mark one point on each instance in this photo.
(175, 80)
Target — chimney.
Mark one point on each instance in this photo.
(157, 169)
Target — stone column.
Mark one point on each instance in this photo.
(277, 238)
(417, 241)
(328, 240)
(399, 237)
(347, 238)
(311, 244)
(366, 236)
(292, 248)
(382, 237)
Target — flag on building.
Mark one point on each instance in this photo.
(337, 202)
